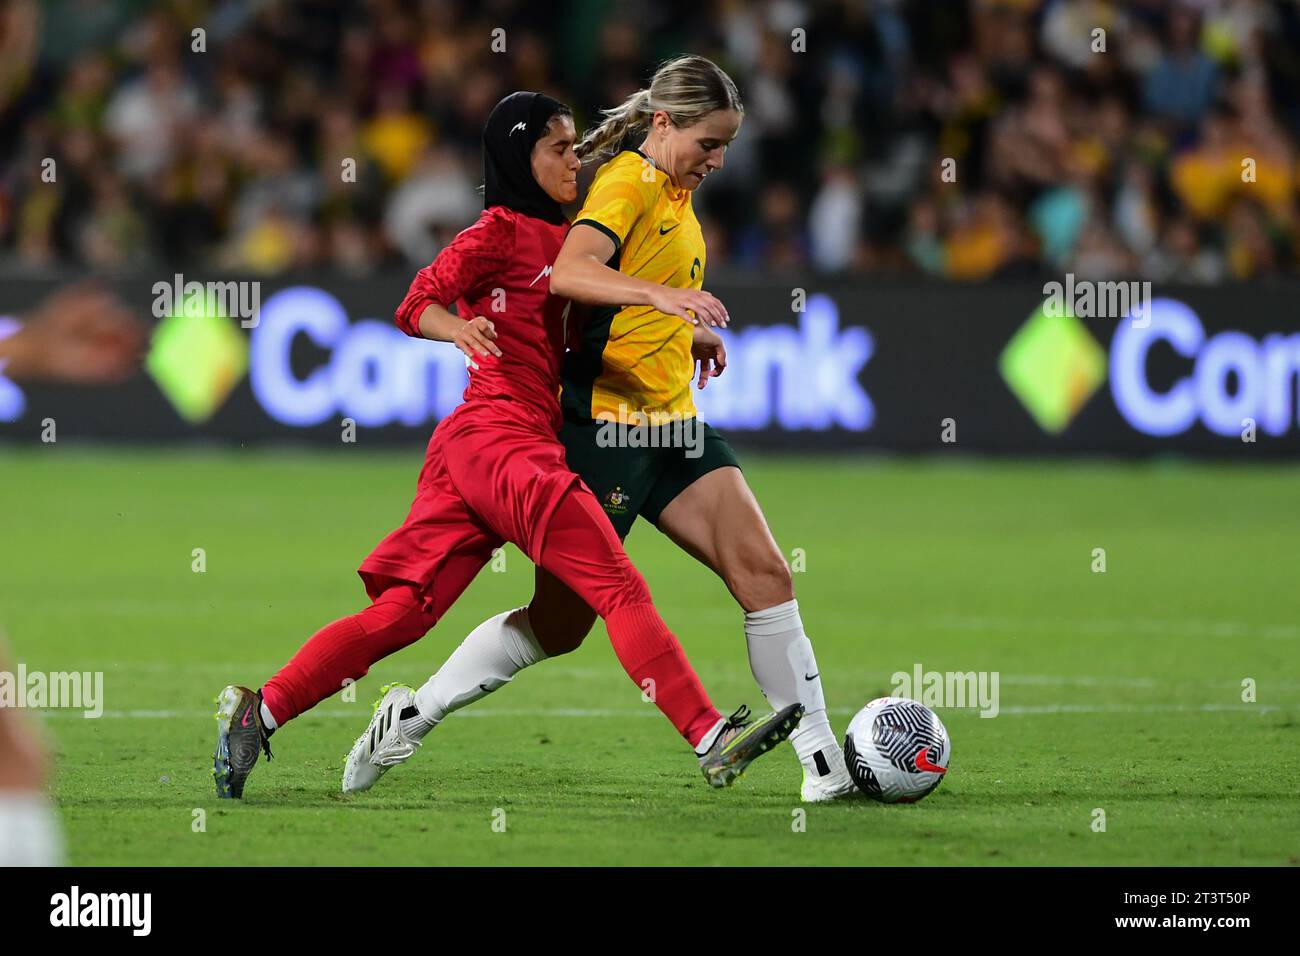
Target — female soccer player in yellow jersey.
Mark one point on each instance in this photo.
(636, 255)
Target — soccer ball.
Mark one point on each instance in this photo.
(897, 750)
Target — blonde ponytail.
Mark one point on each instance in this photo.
(687, 88)
(618, 124)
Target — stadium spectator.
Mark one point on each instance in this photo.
(346, 135)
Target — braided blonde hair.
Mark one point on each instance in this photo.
(687, 88)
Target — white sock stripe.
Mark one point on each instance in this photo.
(775, 620)
(268, 718)
(416, 727)
(707, 740)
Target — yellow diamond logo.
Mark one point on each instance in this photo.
(197, 357)
(1054, 366)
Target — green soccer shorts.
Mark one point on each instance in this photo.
(639, 470)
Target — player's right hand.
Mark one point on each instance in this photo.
(693, 305)
(477, 337)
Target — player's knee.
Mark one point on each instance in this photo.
(762, 582)
(559, 620)
(618, 585)
(400, 614)
(631, 589)
(557, 637)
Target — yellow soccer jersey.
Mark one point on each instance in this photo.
(636, 356)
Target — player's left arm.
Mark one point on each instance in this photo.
(472, 259)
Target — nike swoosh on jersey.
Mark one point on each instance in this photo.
(664, 232)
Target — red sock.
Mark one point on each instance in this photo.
(648, 651)
(344, 650)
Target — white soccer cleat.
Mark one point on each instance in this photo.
(836, 785)
(383, 745)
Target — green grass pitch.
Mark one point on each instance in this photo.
(1119, 691)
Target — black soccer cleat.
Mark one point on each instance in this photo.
(741, 741)
(241, 737)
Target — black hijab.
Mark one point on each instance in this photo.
(512, 130)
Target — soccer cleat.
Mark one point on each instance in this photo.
(383, 745)
(836, 784)
(742, 740)
(240, 738)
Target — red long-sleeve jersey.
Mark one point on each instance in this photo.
(500, 268)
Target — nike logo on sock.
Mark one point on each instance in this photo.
(812, 676)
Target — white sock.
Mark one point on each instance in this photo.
(781, 657)
(268, 719)
(492, 654)
(702, 748)
(29, 830)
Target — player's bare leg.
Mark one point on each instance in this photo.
(29, 830)
(582, 547)
(560, 618)
(717, 520)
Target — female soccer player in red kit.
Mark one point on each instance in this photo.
(495, 472)
(636, 257)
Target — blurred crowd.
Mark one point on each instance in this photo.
(961, 139)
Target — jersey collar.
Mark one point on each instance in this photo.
(674, 192)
